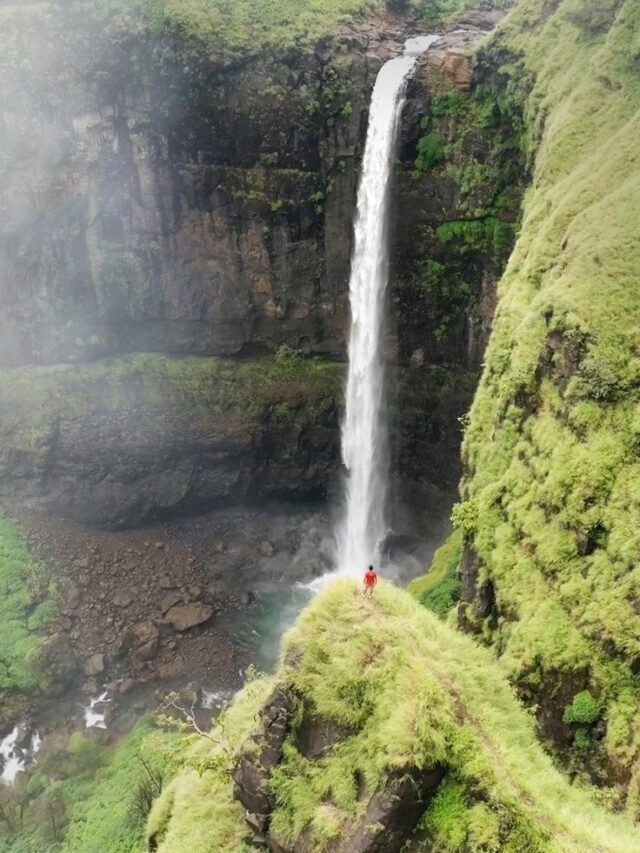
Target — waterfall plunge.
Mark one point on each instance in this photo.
(364, 431)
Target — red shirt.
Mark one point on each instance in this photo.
(370, 578)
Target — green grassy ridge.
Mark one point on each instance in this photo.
(27, 606)
(552, 503)
(428, 695)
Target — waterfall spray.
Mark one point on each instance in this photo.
(364, 431)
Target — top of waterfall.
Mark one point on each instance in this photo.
(417, 45)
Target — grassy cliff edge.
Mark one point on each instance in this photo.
(408, 693)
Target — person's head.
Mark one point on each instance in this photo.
(370, 568)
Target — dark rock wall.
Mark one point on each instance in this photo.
(209, 211)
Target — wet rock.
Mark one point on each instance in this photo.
(185, 616)
(90, 687)
(94, 665)
(59, 661)
(24, 735)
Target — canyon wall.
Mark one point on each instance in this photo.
(163, 199)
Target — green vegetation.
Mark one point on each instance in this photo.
(551, 450)
(86, 798)
(27, 607)
(408, 692)
(196, 810)
(439, 589)
(474, 147)
(36, 396)
(584, 709)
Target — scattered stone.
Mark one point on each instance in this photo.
(144, 632)
(94, 665)
(165, 582)
(193, 592)
(159, 545)
(148, 651)
(83, 563)
(90, 687)
(84, 579)
(122, 598)
(266, 548)
(169, 599)
(73, 598)
(185, 616)
(247, 597)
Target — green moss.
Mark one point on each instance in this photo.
(25, 611)
(430, 153)
(409, 692)
(551, 447)
(439, 590)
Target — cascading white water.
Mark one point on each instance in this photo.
(364, 431)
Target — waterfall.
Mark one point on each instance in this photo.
(364, 431)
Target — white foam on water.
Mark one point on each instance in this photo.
(14, 758)
(213, 699)
(94, 719)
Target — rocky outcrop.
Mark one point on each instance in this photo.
(390, 814)
(142, 438)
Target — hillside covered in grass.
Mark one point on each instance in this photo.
(374, 699)
(27, 608)
(551, 504)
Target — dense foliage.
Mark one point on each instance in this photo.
(552, 503)
(84, 797)
(27, 606)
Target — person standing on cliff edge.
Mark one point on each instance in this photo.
(370, 580)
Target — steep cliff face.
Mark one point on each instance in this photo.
(166, 193)
(123, 441)
(550, 497)
(187, 207)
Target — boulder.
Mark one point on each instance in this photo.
(185, 616)
(126, 686)
(143, 633)
(148, 651)
(94, 665)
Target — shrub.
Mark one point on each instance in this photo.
(584, 709)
